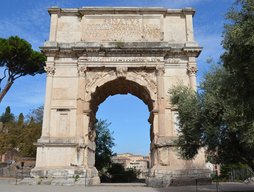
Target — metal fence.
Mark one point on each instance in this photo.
(5, 172)
(240, 174)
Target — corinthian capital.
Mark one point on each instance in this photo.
(192, 70)
(82, 70)
(160, 70)
(50, 70)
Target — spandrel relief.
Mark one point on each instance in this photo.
(92, 76)
(149, 75)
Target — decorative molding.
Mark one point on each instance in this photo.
(160, 70)
(121, 59)
(97, 74)
(82, 70)
(172, 61)
(121, 72)
(149, 76)
(50, 70)
(192, 70)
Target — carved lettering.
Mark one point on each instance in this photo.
(122, 59)
(115, 29)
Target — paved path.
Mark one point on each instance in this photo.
(5, 186)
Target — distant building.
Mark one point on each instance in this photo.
(124, 155)
(128, 160)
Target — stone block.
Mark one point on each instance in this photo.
(166, 181)
(30, 181)
(88, 181)
(64, 182)
(46, 181)
(154, 182)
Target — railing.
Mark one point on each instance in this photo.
(240, 174)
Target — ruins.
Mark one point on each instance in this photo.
(95, 52)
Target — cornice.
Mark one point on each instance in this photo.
(121, 10)
(154, 49)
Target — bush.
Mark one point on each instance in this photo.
(120, 175)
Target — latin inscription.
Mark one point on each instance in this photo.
(116, 29)
(122, 59)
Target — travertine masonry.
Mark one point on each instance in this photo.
(95, 52)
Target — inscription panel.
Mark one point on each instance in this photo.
(124, 28)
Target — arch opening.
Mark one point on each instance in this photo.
(120, 86)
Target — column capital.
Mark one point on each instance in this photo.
(82, 70)
(192, 70)
(50, 70)
(160, 70)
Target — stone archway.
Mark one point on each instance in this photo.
(86, 64)
(105, 82)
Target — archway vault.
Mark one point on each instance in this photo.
(138, 82)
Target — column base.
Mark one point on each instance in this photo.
(66, 172)
(165, 177)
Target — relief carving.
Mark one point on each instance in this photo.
(82, 70)
(50, 70)
(96, 74)
(172, 60)
(121, 71)
(149, 76)
(160, 70)
(192, 70)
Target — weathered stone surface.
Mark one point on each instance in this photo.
(108, 51)
(64, 182)
(30, 181)
(191, 181)
(88, 181)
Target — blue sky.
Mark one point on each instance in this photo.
(30, 20)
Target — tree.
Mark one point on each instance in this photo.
(33, 131)
(221, 115)
(22, 133)
(212, 118)
(104, 142)
(7, 116)
(18, 59)
(238, 57)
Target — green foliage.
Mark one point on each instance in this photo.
(104, 142)
(23, 133)
(76, 177)
(80, 16)
(7, 116)
(120, 43)
(212, 118)
(120, 175)
(221, 115)
(238, 59)
(18, 59)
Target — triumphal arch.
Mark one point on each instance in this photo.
(95, 52)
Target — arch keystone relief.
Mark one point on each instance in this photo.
(84, 67)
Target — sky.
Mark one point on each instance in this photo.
(128, 115)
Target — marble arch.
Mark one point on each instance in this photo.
(94, 52)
